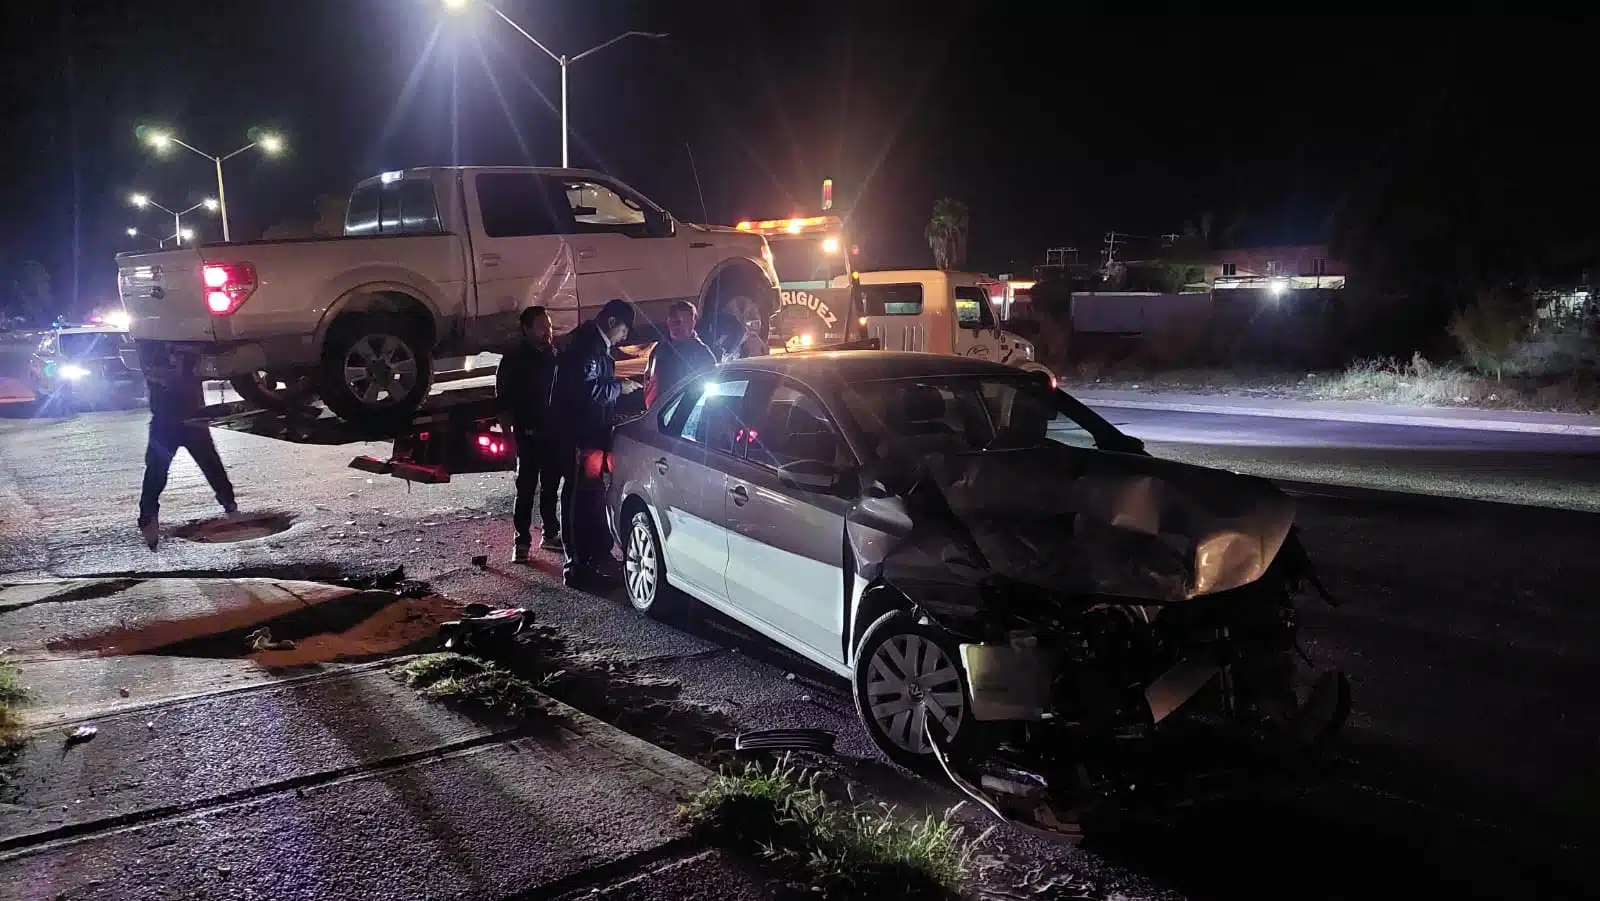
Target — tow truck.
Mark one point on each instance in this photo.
(816, 260)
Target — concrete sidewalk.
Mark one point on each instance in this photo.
(225, 778)
(1347, 411)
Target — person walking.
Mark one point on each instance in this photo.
(680, 357)
(583, 401)
(175, 402)
(522, 385)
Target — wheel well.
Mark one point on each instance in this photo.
(413, 312)
(878, 599)
(632, 504)
(735, 276)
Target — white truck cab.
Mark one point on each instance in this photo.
(932, 311)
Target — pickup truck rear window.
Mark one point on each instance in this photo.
(405, 207)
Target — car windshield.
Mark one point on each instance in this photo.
(90, 345)
(967, 413)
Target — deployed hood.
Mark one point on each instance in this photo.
(1085, 522)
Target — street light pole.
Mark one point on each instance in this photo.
(561, 59)
(269, 144)
(143, 200)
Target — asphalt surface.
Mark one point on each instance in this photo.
(1471, 640)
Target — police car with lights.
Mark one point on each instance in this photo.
(78, 366)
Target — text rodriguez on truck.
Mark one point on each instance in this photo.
(433, 263)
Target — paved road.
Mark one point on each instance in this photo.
(1541, 469)
(1472, 643)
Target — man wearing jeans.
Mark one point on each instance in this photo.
(522, 384)
(174, 402)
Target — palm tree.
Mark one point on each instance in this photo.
(947, 233)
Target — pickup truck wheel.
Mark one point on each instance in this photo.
(275, 391)
(739, 295)
(375, 372)
(907, 673)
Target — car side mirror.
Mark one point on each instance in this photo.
(970, 325)
(812, 475)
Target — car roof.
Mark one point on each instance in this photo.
(844, 366)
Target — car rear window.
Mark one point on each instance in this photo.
(892, 300)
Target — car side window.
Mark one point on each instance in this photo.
(597, 207)
(715, 418)
(791, 427)
(517, 204)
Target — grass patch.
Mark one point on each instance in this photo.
(12, 694)
(827, 850)
(473, 682)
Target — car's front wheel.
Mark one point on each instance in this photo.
(376, 371)
(644, 570)
(908, 674)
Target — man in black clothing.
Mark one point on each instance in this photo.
(174, 402)
(583, 403)
(522, 384)
(682, 355)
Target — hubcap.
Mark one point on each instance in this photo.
(640, 565)
(909, 681)
(380, 369)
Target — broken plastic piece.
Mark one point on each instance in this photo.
(480, 560)
(82, 733)
(497, 625)
(817, 741)
(261, 640)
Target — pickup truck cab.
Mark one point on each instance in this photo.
(932, 311)
(433, 263)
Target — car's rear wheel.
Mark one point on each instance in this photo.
(274, 390)
(908, 673)
(376, 371)
(644, 570)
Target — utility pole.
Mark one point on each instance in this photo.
(1110, 253)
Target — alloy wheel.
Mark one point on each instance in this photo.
(639, 567)
(911, 679)
(380, 369)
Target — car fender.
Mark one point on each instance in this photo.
(731, 262)
(349, 288)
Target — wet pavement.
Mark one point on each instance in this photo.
(1471, 643)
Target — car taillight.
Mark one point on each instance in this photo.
(492, 446)
(228, 285)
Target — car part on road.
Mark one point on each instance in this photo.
(376, 371)
(815, 741)
(261, 640)
(495, 627)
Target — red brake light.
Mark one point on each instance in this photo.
(228, 285)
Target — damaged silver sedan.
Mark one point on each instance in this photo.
(1025, 601)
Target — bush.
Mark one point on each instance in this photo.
(1490, 331)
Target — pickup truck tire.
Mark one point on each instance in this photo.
(376, 371)
(275, 391)
(744, 295)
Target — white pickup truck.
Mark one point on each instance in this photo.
(434, 263)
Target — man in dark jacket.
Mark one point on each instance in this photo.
(583, 402)
(175, 401)
(682, 355)
(522, 384)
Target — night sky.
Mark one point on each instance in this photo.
(1053, 126)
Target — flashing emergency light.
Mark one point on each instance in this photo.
(827, 195)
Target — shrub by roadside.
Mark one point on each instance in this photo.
(826, 850)
(12, 694)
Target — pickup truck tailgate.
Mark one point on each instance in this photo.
(164, 294)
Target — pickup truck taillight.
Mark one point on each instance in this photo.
(227, 286)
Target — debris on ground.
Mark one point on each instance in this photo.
(479, 625)
(474, 682)
(82, 734)
(816, 741)
(829, 850)
(481, 560)
(261, 640)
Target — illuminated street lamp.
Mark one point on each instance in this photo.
(461, 6)
(178, 231)
(270, 144)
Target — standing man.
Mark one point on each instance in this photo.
(679, 357)
(175, 401)
(522, 385)
(583, 402)
(734, 340)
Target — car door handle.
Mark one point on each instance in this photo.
(699, 243)
(586, 253)
(661, 465)
(490, 259)
(740, 496)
